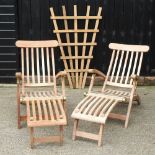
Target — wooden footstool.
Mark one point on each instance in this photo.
(46, 112)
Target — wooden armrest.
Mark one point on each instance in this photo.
(19, 76)
(97, 72)
(134, 77)
(61, 74)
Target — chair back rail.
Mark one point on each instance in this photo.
(126, 60)
(37, 63)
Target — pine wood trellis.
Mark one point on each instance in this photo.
(76, 65)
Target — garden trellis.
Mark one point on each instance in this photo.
(76, 65)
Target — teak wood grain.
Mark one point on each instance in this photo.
(119, 87)
(36, 87)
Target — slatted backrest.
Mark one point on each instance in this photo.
(126, 60)
(37, 63)
(76, 59)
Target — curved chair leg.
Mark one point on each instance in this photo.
(65, 108)
(18, 114)
(76, 122)
(128, 113)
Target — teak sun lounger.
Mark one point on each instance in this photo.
(36, 87)
(119, 87)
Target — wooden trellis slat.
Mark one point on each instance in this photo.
(76, 65)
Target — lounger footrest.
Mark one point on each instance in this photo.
(96, 107)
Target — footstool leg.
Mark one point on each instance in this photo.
(61, 134)
(32, 137)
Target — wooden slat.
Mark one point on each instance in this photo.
(60, 104)
(68, 41)
(47, 139)
(43, 64)
(129, 68)
(73, 17)
(140, 63)
(34, 110)
(85, 104)
(119, 67)
(61, 48)
(32, 61)
(90, 105)
(104, 109)
(93, 43)
(39, 84)
(84, 47)
(53, 67)
(38, 66)
(48, 64)
(83, 101)
(45, 110)
(50, 109)
(87, 135)
(56, 109)
(36, 44)
(77, 57)
(96, 105)
(114, 67)
(77, 70)
(76, 47)
(125, 47)
(39, 110)
(92, 47)
(119, 84)
(98, 109)
(77, 31)
(22, 62)
(109, 69)
(27, 65)
(124, 67)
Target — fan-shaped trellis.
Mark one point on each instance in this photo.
(76, 64)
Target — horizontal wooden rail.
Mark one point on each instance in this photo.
(77, 31)
(78, 44)
(77, 57)
(76, 17)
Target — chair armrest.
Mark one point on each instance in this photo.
(18, 76)
(134, 77)
(61, 74)
(97, 72)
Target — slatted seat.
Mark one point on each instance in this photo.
(39, 95)
(96, 107)
(119, 87)
(36, 86)
(45, 112)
